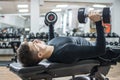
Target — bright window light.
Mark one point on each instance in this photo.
(23, 10)
(61, 6)
(22, 6)
(0, 8)
(56, 10)
(99, 6)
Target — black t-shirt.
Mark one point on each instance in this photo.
(72, 49)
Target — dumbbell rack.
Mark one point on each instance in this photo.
(40, 36)
(90, 36)
(5, 47)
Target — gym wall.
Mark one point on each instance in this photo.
(116, 16)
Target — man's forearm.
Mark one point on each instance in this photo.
(100, 42)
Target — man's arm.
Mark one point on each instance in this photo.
(100, 41)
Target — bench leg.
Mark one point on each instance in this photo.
(100, 72)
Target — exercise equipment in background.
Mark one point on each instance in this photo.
(50, 20)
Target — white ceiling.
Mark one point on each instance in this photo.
(10, 6)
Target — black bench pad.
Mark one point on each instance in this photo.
(49, 69)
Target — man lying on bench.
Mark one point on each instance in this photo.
(66, 50)
(63, 49)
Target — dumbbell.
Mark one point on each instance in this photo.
(9, 45)
(82, 15)
(111, 43)
(14, 34)
(116, 43)
(94, 35)
(90, 34)
(18, 35)
(44, 35)
(1, 35)
(81, 35)
(31, 35)
(87, 34)
(37, 35)
(114, 34)
(10, 35)
(107, 43)
(4, 45)
(4, 35)
(0, 45)
(109, 35)
(50, 18)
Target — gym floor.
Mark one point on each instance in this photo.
(5, 74)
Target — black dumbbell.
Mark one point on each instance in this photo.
(1, 35)
(9, 45)
(81, 35)
(87, 35)
(4, 35)
(94, 35)
(109, 35)
(14, 34)
(44, 36)
(31, 36)
(111, 43)
(18, 35)
(116, 43)
(3, 45)
(10, 35)
(107, 43)
(0, 45)
(114, 34)
(37, 35)
(90, 34)
(82, 15)
(50, 18)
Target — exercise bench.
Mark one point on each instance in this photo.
(46, 70)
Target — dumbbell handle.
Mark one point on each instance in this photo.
(100, 13)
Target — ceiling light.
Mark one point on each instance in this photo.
(22, 6)
(56, 10)
(23, 10)
(61, 6)
(91, 9)
(99, 6)
(27, 29)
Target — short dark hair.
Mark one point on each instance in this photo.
(26, 56)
